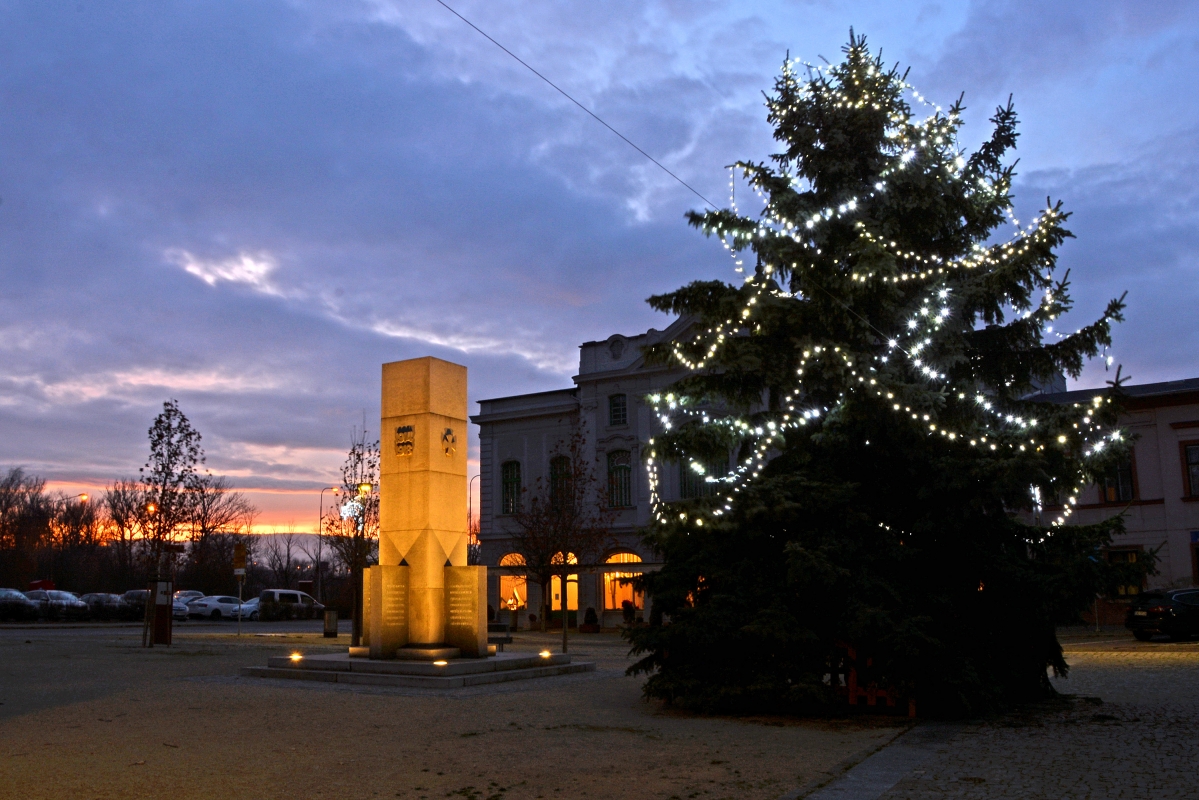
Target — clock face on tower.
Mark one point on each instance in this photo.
(449, 442)
(405, 440)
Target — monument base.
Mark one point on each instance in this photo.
(341, 668)
(433, 652)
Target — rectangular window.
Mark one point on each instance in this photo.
(618, 410)
(693, 484)
(620, 479)
(509, 487)
(1191, 453)
(1117, 484)
(1128, 555)
(561, 483)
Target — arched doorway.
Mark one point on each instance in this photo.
(513, 588)
(618, 589)
(572, 585)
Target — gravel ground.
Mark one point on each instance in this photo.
(1130, 731)
(87, 713)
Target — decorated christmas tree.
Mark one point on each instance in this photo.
(880, 473)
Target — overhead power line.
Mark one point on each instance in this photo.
(577, 103)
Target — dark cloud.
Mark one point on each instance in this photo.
(249, 207)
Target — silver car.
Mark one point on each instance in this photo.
(217, 606)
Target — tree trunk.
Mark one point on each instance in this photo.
(565, 618)
(546, 603)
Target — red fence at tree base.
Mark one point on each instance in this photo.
(859, 685)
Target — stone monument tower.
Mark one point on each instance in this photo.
(422, 601)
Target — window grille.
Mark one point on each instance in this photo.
(509, 487)
(620, 479)
(618, 410)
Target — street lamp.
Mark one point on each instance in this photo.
(470, 499)
(320, 540)
(356, 509)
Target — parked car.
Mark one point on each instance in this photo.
(104, 605)
(56, 604)
(249, 610)
(185, 596)
(16, 606)
(180, 610)
(135, 598)
(288, 604)
(1173, 613)
(214, 607)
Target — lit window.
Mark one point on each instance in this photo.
(618, 410)
(572, 585)
(513, 591)
(1117, 484)
(1128, 555)
(618, 587)
(509, 487)
(620, 479)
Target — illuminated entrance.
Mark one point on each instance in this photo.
(572, 585)
(618, 588)
(513, 588)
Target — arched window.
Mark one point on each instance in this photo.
(572, 585)
(513, 592)
(561, 483)
(617, 587)
(509, 487)
(620, 479)
(618, 409)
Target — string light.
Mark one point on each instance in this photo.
(931, 142)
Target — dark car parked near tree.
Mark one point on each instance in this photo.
(55, 604)
(1173, 613)
(15, 606)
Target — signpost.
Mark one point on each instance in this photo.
(239, 569)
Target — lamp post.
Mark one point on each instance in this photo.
(356, 509)
(470, 516)
(320, 541)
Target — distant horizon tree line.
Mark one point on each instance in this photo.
(119, 540)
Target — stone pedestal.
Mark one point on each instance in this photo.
(387, 588)
(434, 600)
(466, 601)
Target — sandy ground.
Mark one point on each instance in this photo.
(87, 713)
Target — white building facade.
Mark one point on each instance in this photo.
(520, 435)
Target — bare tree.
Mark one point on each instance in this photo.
(124, 504)
(283, 558)
(563, 516)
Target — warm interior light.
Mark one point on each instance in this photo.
(364, 488)
(544, 653)
(440, 663)
(296, 656)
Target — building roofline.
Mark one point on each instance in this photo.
(567, 389)
(1145, 395)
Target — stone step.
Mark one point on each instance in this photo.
(344, 662)
(410, 680)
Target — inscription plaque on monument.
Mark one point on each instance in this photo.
(388, 620)
(422, 519)
(466, 593)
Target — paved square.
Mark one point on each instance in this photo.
(88, 714)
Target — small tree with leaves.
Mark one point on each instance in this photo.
(170, 479)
